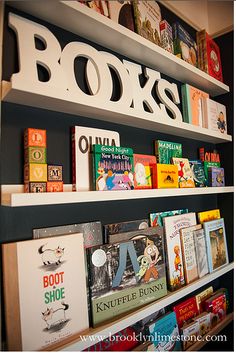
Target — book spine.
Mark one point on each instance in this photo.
(73, 159)
(184, 104)
(136, 17)
(154, 177)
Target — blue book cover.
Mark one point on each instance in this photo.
(163, 332)
(217, 251)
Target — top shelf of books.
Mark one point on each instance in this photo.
(77, 18)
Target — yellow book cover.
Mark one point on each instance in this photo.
(200, 297)
(165, 176)
(207, 216)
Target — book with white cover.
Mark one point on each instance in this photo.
(214, 116)
(83, 139)
(44, 291)
(201, 252)
(172, 226)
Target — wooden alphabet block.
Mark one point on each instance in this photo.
(54, 172)
(35, 172)
(54, 186)
(35, 138)
(35, 187)
(35, 155)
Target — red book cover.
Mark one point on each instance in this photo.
(216, 305)
(185, 311)
(143, 171)
(213, 57)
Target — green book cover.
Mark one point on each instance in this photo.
(113, 168)
(208, 165)
(199, 176)
(165, 150)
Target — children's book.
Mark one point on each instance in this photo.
(83, 139)
(156, 219)
(186, 311)
(190, 333)
(172, 226)
(204, 320)
(163, 333)
(124, 276)
(121, 12)
(192, 104)
(143, 171)
(185, 173)
(198, 172)
(166, 36)
(165, 150)
(123, 227)
(207, 216)
(216, 244)
(147, 18)
(209, 155)
(165, 176)
(216, 305)
(201, 252)
(200, 297)
(42, 279)
(184, 45)
(113, 168)
(216, 176)
(189, 254)
(208, 165)
(135, 234)
(214, 115)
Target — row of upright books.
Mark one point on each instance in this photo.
(144, 17)
(128, 266)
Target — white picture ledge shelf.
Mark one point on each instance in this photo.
(111, 113)
(13, 195)
(76, 344)
(111, 35)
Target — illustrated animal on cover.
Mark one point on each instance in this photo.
(55, 317)
(51, 256)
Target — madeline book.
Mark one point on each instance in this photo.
(165, 150)
(201, 252)
(172, 226)
(143, 171)
(189, 254)
(206, 216)
(216, 244)
(125, 276)
(113, 168)
(185, 173)
(83, 139)
(163, 332)
(198, 172)
(48, 310)
(156, 219)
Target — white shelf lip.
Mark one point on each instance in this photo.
(110, 112)
(83, 22)
(130, 319)
(13, 195)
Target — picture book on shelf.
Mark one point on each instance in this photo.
(192, 104)
(189, 331)
(121, 12)
(147, 18)
(135, 234)
(83, 139)
(208, 165)
(216, 176)
(44, 291)
(216, 244)
(162, 331)
(184, 45)
(143, 171)
(166, 36)
(214, 116)
(206, 216)
(165, 150)
(201, 252)
(216, 305)
(184, 172)
(124, 227)
(189, 254)
(156, 219)
(200, 297)
(186, 311)
(204, 321)
(198, 172)
(165, 176)
(209, 155)
(124, 276)
(113, 168)
(172, 226)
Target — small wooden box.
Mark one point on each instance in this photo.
(35, 155)
(35, 187)
(35, 138)
(35, 172)
(54, 172)
(164, 176)
(54, 186)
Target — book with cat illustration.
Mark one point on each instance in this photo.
(48, 310)
(125, 276)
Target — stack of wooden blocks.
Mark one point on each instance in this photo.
(38, 175)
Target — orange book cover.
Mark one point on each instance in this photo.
(143, 171)
(195, 96)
